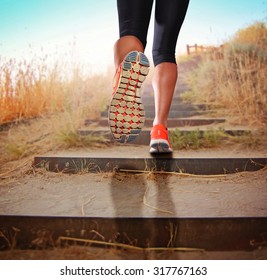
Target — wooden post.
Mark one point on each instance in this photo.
(188, 49)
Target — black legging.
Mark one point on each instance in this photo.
(134, 17)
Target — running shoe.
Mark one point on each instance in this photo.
(159, 142)
(126, 112)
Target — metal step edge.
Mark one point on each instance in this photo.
(200, 166)
(209, 234)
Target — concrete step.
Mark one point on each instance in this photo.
(177, 122)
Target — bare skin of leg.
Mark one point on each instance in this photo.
(164, 82)
(125, 45)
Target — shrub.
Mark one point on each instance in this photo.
(236, 83)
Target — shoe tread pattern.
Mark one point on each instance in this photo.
(126, 111)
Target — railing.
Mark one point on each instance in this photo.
(214, 52)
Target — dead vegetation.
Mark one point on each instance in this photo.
(236, 83)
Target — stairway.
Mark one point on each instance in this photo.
(135, 156)
(192, 202)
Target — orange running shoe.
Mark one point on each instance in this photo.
(159, 142)
(126, 112)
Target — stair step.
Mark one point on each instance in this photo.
(179, 122)
(206, 234)
(172, 114)
(181, 107)
(144, 137)
(178, 107)
(164, 162)
(150, 102)
(148, 99)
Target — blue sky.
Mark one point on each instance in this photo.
(87, 29)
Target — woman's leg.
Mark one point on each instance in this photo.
(164, 82)
(125, 45)
(169, 16)
(134, 17)
(126, 111)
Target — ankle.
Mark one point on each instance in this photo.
(156, 122)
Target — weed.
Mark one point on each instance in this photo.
(188, 96)
(187, 140)
(17, 150)
(196, 139)
(176, 139)
(52, 100)
(212, 138)
(248, 140)
(31, 89)
(71, 139)
(254, 34)
(236, 83)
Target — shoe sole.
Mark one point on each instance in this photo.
(160, 146)
(126, 112)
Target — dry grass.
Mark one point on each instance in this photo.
(20, 142)
(131, 247)
(35, 88)
(236, 83)
(44, 106)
